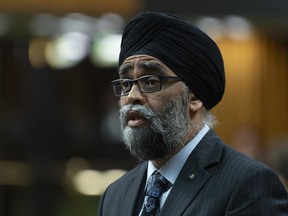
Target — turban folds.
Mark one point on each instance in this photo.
(186, 50)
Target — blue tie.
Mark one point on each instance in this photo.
(156, 185)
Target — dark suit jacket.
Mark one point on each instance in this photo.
(225, 183)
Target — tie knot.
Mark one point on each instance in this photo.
(156, 185)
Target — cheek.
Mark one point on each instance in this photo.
(157, 104)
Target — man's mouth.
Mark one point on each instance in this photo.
(134, 119)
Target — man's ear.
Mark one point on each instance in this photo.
(194, 103)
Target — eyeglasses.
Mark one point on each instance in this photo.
(146, 84)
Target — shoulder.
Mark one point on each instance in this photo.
(213, 149)
(256, 183)
(213, 153)
(253, 179)
(245, 181)
(243, 166)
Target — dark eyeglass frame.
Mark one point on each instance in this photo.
(117, 84)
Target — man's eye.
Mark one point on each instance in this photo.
(125, 84)
(153, 81)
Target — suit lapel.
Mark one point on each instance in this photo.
(134, 189)
(193, 176)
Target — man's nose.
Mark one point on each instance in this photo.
(135, 95)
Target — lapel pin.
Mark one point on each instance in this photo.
(192, 176)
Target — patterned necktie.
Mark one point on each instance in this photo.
(156, 185)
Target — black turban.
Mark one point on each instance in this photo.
(181, 46)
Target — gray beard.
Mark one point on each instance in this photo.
(165, 134)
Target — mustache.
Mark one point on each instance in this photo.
(145, 112)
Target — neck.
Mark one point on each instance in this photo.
(158, 163)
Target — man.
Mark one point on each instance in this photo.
(171, 76)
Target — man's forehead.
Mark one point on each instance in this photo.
(144, 62)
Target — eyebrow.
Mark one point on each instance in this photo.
(153, 66)
(124, 68)
(147, 66)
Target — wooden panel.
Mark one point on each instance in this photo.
(242, 97)
(275, 87)
(257, 88)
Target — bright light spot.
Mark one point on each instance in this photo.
(234, 27)
(106, 50)
(211, 26)
(77, 22)
(93, 183)
(238, 28)
(71, 40)
(67, 50)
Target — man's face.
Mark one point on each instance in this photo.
(153, 124)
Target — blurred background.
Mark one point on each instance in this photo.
(60, 140)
